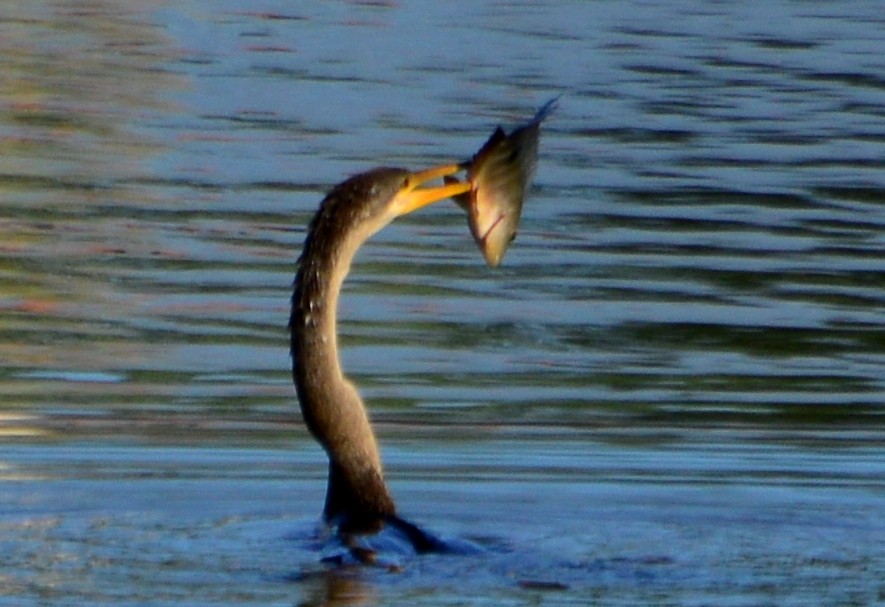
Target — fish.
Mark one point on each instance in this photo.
(499, 175)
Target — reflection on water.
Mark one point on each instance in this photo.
(682, 354)
(684, 515)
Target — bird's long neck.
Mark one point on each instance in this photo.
(357, 495)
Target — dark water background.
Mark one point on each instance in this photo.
(671, 393)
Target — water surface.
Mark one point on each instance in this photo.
(670, 393)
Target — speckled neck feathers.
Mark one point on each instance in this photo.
(357, 496)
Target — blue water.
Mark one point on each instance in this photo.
(671, 392)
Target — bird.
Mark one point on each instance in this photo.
(358, 501)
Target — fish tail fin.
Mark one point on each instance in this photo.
(545, 110)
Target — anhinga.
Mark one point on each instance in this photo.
(357, 497)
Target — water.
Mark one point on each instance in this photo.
(670, 393)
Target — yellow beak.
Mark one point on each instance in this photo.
(411, 197)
